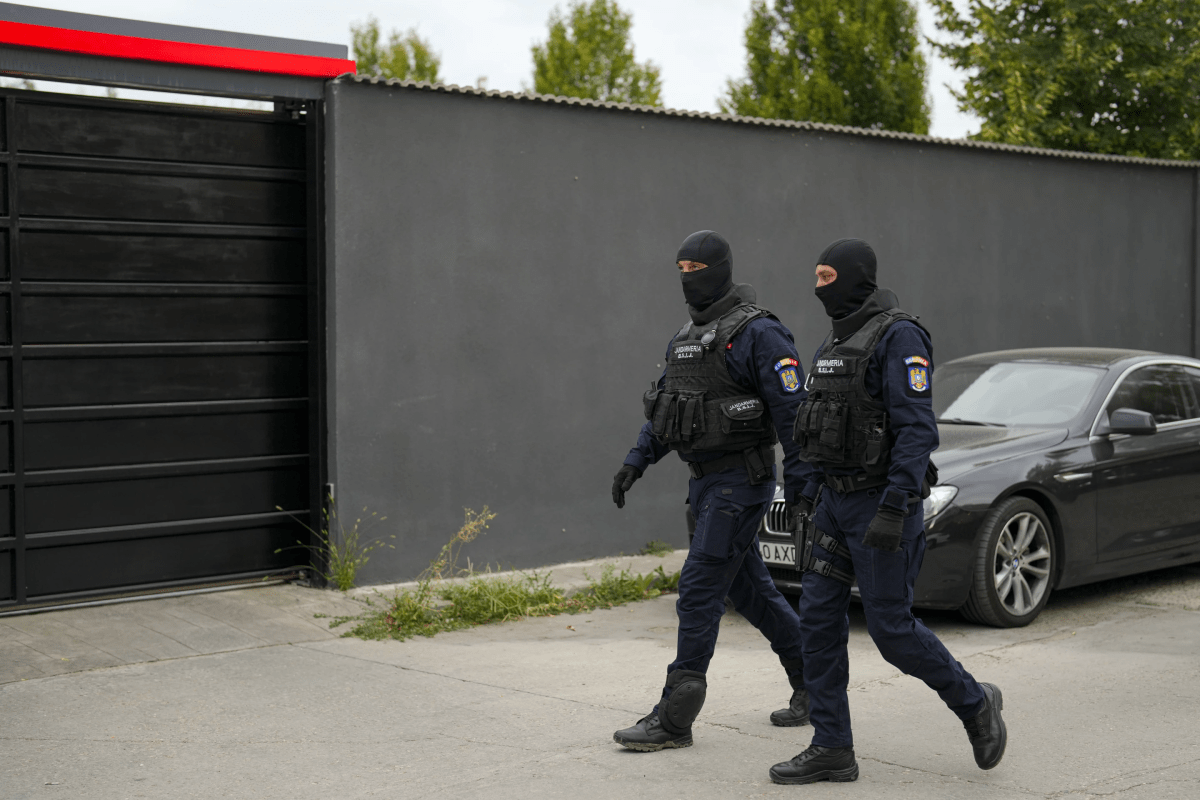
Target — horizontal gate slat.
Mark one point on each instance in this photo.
(103, 504)
(182, 527)
(104, 225)
(108, 257)
(83, 320)
(115, 442)
(102, 195)
(63, 570)
(165, 168)
(148, 289)
(141, 379)
(158, 135)
(163, 409)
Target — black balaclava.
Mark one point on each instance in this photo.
(704, 287)
(854, 261)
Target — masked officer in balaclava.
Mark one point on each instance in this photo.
(867, 426)
(732, 379)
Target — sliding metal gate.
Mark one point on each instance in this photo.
(159, 377)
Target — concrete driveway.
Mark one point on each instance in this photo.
(245, 694)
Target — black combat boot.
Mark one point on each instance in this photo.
(670, 723)
(986, 729)
(648, 735)
(818, 764)
(796, 713)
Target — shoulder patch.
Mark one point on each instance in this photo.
(917, 360)
(918, 377)
(790, 380)
(786, 362)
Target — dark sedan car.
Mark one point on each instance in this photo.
(1059, 467)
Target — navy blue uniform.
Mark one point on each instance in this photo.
(724, 559)
(885, 580)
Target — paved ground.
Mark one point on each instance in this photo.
(245, 694)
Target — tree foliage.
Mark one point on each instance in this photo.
(1102, 76)
(846, 62)
(405, 56)
(588, 54)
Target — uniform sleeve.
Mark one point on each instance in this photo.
(764, 360)
(648, 449)
(905, 357)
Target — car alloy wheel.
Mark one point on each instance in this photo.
(1013, 569)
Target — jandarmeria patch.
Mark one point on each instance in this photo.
(918, 376)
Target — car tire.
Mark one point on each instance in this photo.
(1013, 569)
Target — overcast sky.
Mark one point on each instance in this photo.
(697, 43)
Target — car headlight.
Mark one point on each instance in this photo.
(939, 498)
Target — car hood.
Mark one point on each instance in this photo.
(966, 447)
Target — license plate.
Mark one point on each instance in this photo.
(782, 555)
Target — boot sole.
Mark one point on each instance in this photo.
(788, 723)
(1003, 727)
(651, 747)
(832, 775)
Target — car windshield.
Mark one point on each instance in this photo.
(1012, 393)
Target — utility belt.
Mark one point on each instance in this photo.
(758, 462)
(844, 484)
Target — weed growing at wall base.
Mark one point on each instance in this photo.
(483, 599)
(342, 551)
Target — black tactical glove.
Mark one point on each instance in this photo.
(624, 479)
(885, 530)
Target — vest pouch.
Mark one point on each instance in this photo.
(805, 424)
(649, 400)
(832, 432)
(740, 414)
(664, 415)
(690, 415)
(876, 435)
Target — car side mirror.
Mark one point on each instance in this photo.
(1131, 422)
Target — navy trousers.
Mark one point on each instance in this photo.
(724, 560)
(885, 583)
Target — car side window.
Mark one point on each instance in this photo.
(1158, 389)
(1193, 383)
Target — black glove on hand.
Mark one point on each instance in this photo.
(624, 479)
(885, 530)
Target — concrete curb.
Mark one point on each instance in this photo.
(571, 577)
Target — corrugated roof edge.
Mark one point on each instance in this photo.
(450, 88)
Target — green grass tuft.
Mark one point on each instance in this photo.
(483, 600)
(656, 547)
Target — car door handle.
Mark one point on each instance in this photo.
(1072, 477)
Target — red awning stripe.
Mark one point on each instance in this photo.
(199, 55)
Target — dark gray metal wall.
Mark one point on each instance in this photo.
(503, 288)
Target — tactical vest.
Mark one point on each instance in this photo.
(840, 425)
(700, 407)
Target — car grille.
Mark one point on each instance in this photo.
(775, 520)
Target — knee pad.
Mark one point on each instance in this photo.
(679, 711)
